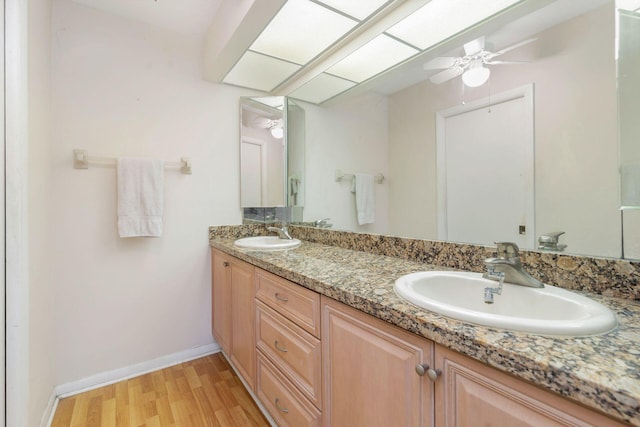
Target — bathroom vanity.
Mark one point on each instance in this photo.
(320, 337)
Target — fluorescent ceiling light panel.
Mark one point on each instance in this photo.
(321, 88)
(258, 71)
(631, 5)
(359, 9)
(301, 30)
(440, 19)
(374, 57)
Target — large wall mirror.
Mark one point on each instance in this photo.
(271, 152)
(628, 37)
(566, 77)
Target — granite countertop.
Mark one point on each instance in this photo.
(602, 372)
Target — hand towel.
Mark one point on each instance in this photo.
(140, 197)
(362, 186)
(630, 184)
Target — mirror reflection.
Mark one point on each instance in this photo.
(564, 92)
(272, 153)
(262, 152)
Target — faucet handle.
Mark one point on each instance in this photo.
(507, 250)
(550, 237)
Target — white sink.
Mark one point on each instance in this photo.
(546, 311)
(267, 243)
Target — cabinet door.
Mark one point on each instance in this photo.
(221, 299)
(243, 351)
(369, 371)
(469, 393)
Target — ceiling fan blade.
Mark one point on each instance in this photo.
(441, 62)
(513, 46)
(474, 46)
(505, 62)
(261, 122)
(445, 75)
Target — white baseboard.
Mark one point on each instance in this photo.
(110, 377)
(47, 416)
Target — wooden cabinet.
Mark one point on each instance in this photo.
(221, 299)
(233, 317)
(369, 371)
(289, 379)
(470, 393)
(312, 360)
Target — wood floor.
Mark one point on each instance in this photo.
(202, 392)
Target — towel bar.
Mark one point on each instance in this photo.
(81, 160)
(379, 178)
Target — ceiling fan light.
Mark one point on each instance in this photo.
(277, 132)
(476, 76)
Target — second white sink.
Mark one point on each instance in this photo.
(547, 311)
(266, 243)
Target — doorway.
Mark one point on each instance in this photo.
(485, 160)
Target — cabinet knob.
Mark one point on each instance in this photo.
(422, 369)
(226, 264)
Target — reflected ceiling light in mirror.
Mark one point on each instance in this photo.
(301, 30)
(277, 132)
(322, 87)
(476, 75)
(443, 19)
(631, 5)
(374, 57)
(359, 9)
(272, 71)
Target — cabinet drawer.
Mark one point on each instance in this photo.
(294, 351)
(285, 404)
(294, 302)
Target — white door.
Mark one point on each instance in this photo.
(485, 170)
(253, 185)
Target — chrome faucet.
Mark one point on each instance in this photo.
(283, 232)
(550, 241)
(508, 262)
(322, 223)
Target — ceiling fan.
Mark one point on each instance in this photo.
(275, 126)
(472, 65)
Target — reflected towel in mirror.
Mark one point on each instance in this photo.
(362, 186)
(630, 184)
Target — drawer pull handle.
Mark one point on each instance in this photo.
(280, 408)
(282, 349)
(279, 298)
(226, 264)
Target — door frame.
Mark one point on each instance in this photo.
(526, 92)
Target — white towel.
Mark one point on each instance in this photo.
(365, 201)
(630, 184)
(140, 197)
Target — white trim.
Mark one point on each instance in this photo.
(16, 212)
(526, 92)
(3, 323)
(120, 374)
(50, 410)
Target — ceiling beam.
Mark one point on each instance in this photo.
(234, 28)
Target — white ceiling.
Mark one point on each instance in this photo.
(188, 17)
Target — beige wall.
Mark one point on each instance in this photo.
(42, 345)
(573, 71)
(121, 88)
